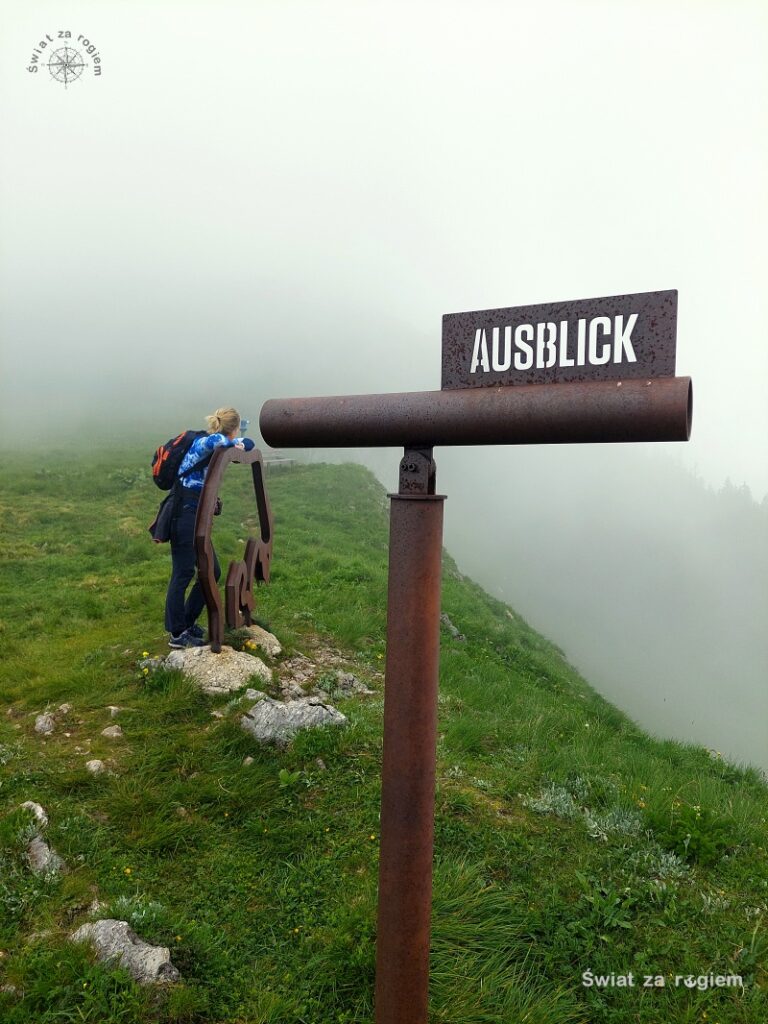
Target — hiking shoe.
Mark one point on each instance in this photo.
(195, 630)
(185, 639)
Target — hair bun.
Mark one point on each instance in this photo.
(223, 421)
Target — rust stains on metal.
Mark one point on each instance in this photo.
(410, 736)
(242, 576)
(656, 409)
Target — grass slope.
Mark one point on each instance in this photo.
(567, 839)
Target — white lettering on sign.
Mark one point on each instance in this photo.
(621, 339)
(480, 352)
(544, 345)
(504, 362)
(524, 354)
(604, 323)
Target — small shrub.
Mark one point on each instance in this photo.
(554, 799)
(607, 907)
(288, 780)
(693, 833)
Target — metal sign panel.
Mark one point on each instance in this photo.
(609, 338)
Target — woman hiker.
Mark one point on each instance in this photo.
(181, 615)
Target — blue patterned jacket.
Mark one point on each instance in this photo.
(200, 449)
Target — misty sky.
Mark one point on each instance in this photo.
(306, 188)
(283, 198)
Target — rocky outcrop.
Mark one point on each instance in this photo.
(271, 721)
(218, 673)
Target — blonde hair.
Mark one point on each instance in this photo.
(223, 421)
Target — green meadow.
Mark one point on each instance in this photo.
(569, 844)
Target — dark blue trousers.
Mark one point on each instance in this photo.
(181, 612)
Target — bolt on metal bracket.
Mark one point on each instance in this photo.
(417, 472)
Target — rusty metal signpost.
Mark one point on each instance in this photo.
(594, 370)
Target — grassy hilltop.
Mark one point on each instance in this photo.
(566, 839)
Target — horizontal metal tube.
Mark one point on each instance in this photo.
(654, 409)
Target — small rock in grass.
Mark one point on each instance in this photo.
(349, 683)
(95, 767)
(217, 713)
(45, 724)
(112, 732)
(271, 721)
(39, 813)
(116, 939)
(251, 694)
(42, 858)
(248, 760)
(291, 690)
(268, 642)
(63, 709)
(113, 710)
(455, 633)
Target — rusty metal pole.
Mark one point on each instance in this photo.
(603, 411)
(410, 737)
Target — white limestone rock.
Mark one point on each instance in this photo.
(45, 724)
(42, 858)
(271, 721)
(116, 940)
(40, 816)
(112, 732)
(268, 642)
(218, 673)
